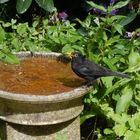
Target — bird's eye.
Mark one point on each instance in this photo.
(76, 55)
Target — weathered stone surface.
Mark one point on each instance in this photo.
(34, 117)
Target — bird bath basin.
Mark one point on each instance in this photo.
(40, 99)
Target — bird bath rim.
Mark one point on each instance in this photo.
(77, 92)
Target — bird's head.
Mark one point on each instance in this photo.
(75, 55)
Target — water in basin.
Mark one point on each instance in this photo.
(38, 76)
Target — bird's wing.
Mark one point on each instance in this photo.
(94, 69)
(87, 73)
(85, 70)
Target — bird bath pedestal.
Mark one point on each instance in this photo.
(41, 117)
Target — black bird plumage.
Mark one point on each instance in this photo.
(89, 70)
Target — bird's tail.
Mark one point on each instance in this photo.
(119, 74)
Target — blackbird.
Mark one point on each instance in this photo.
(89, 70)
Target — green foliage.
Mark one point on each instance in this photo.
(47, 5)
(57, 36)
(101, 39)
(2, 35)
(126, 126)
(3, 1)
(105, 42)
(129, 18)
(23, 5)
(94, 5)
(120, 4)
(7, 56)
(124, 101)
(108, 10)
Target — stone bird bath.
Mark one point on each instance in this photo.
(41, 117)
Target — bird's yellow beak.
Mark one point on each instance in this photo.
(70, 54)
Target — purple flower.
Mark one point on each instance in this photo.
(62, 16)
(112, 2)
(113, 12)
(132, 34)
(100, 12)
(58, 17)
(129, 34)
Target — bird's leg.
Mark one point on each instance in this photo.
(101, 82)
(90, 82)
(85, 83)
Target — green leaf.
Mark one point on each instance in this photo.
(135, 68)
(105, 37)
(13, 21)
(47, 5)
(116, 85)
(2, 34)
(120, 49)
(119, 28)
(120, 119)
(94, 5)
(137, 134)
(55, 39)
(7, 24)
(67, 49)
(108, 62)
(15, 42)
(115, 18)
(120, 4)
(132, 124)
(120, 129)
(23, 5)
(138, 30)
(124, 101)
(78, 48)
(108, 131)
(129, 135)
(128, 19)
(8, 57)
(96, 20)
(134, 58)
(22, 28)
(112, 40)
(86, 116)
(107, 81)
(3, 1)
(70, 48)
(132, 135)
